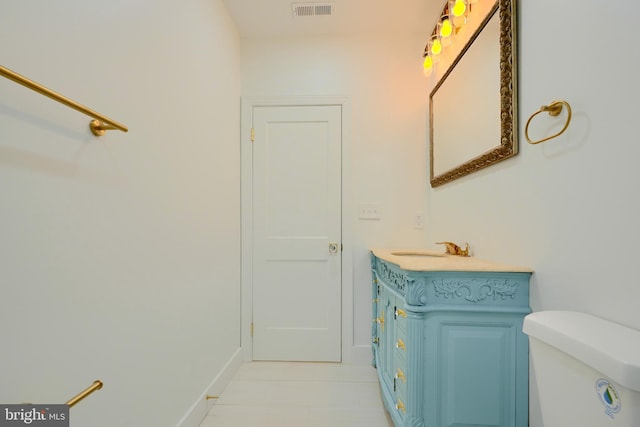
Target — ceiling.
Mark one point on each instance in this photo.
(272, 18)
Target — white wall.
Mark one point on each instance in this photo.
(119, 255)
(382, 76)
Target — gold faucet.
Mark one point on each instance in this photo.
(453, 249)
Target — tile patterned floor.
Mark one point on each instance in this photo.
(297, 394)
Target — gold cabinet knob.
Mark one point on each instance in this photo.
(380, 321)
(400, 406)
(400, 344)
(400, 375)
(401, 312)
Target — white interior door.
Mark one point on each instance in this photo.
(297, 233)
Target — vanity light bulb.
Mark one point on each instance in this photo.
(459, 8)
(446, 28)
(436, 46)
(427, 65)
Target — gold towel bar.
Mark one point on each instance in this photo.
(98, 126)
(554, 109)
(97, 385)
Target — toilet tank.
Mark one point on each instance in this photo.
(586, 369)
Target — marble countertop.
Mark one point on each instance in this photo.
(429, 260)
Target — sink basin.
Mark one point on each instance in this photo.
(418, 253)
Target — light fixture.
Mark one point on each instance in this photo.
(458, 7)
(445, 28)
(427, 65)
(435, 47)
(452, 18)
(459, 11)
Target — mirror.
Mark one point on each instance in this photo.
(473, 106)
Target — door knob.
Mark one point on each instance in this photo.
(333, 248)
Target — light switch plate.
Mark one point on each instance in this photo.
(369, 211)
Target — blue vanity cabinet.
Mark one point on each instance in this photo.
(448, 342)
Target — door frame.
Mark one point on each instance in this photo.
(350, 353)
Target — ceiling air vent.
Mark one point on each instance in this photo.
(312, 9)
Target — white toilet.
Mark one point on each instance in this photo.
(587, 369)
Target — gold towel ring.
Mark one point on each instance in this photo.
(553, 109)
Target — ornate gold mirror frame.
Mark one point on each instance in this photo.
(508, 145)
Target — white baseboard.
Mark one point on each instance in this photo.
(199, 410)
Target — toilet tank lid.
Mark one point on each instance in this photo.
(608, 347)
